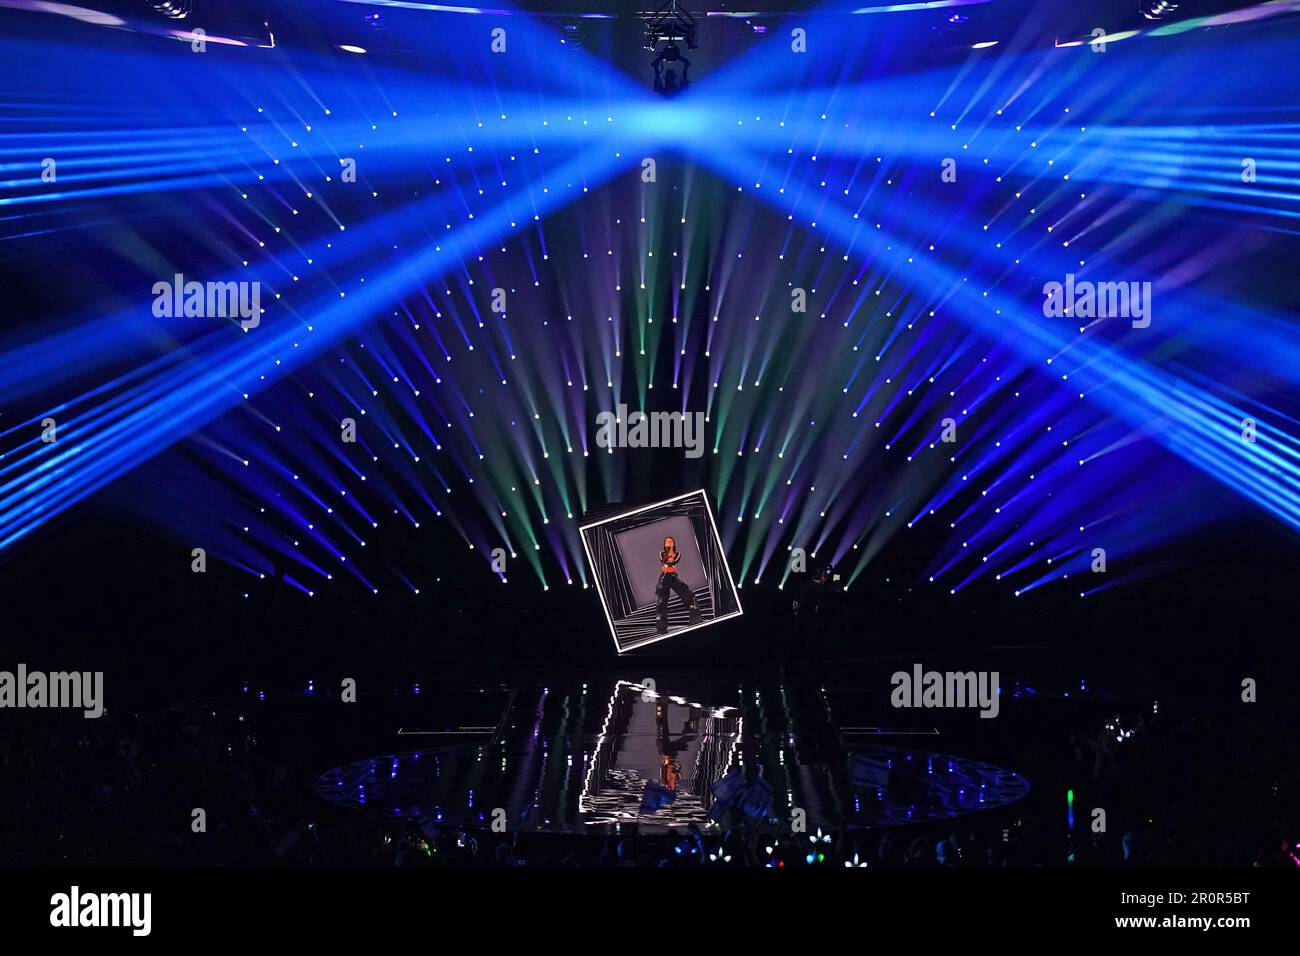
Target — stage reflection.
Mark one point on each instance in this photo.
(634, 756)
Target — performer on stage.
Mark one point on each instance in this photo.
(670, 747)
(668, 581)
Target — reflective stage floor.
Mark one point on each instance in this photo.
(624, 754)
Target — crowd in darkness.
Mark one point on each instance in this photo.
(195, 787)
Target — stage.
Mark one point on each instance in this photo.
(581, 763)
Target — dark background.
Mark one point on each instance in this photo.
(94, 591)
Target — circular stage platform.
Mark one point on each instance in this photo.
(633, 757)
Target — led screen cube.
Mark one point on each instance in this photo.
(623, 551)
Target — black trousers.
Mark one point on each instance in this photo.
(667, 583)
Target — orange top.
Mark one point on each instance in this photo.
(671, 772)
